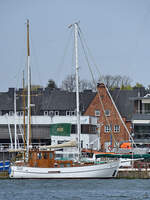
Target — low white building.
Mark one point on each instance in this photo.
(40, 130)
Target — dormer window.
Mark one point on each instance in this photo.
(67, 113)
(46, 113)
(72, 113)
(51, 113)
(57, 113)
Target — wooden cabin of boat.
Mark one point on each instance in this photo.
(46, 159)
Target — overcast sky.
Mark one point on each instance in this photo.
(117, 33)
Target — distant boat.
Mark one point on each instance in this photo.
(41, 163)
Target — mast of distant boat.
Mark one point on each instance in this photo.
(15, 125)
(24, 127)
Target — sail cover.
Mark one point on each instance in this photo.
(71, 143)
(60, 129)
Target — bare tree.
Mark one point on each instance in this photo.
(69, 84)
(126, 81)
(123, 82)
(115, 81)
(108, 80)
(86, 85)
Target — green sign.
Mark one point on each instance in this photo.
(61, 129)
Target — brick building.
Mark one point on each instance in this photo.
(112, 124)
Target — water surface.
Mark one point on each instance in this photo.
(111, 189)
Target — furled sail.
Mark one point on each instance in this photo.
(71, 143)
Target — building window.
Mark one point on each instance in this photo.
(97, 113)
(67, 113)
(93, 128)
(56, 113)
(70, 113)
(51, 113)
(62, 141)
(107, 129)
(11, 113)
(116, 128)
(74, 128)
(46, 113)
(73, 113)
(20, 113)
(107, 113)
(147, 108)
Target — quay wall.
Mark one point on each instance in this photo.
(134, 173)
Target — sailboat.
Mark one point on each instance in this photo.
(41, 163)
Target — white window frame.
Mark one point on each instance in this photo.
(56, 113)
(107, 112)
(67, 113)
(46, 113)
(51, 113)
(97, 113)
(116, 128)
(107, 129)
(72, 113)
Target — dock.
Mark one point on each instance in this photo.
(134, 173)
(4, 175)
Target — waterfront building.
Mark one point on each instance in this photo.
(52, 106)
(141, 119)
(48, 107)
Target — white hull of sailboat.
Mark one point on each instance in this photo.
(107, 170)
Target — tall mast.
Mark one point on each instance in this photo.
(77, 87)
(24, 129)
(28, 70)
(15, 125)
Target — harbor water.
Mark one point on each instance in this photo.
(109, 189)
